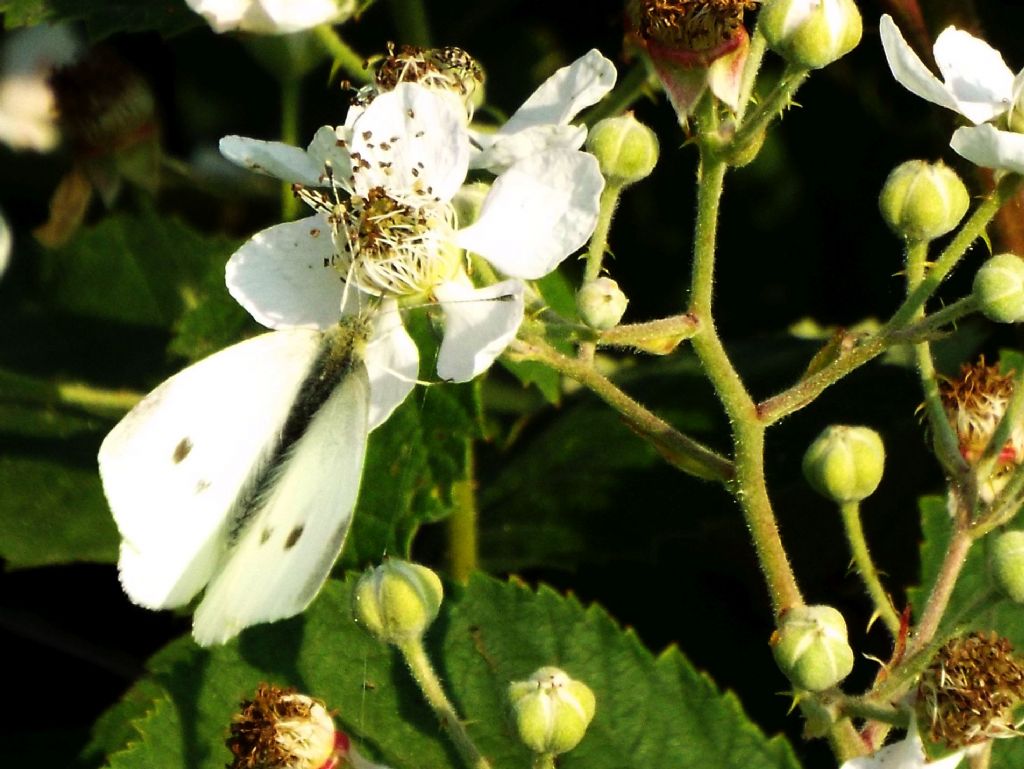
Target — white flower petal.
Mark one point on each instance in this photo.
(909, 70)
(908, 753)
(478, 326)
(5, 244)
(328, 148)
(392, 362)
(537, 213)
(265, 16)
(280, 276)
(987, 147)
(411, 140)
(975, 73)
(282, 161)
(565, 93)
(499, 155)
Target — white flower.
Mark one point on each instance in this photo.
(908, 753)
(28, 107)
(5, 244)
(976, 81)
(543, 121)
(270, 17)
(386, 226)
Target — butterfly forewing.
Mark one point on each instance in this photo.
(173, 468)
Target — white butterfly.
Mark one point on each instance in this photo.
(241, 474)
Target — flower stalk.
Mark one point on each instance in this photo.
(866, 567)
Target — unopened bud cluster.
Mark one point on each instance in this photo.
(922, 201)
(397, 601)
(810, 647)
(845, 463)
(811, 34)
(552, 710)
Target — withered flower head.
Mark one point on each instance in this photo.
(700, 30)
(968, 693)
(975, 402)
(280, 729)
(693, 45)
(447, 69)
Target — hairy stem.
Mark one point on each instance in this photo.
(290, 107)
(463, 547)
(423, 672)
(866, 567)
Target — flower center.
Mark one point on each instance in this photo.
(387, 247)
(707, 28)
(975, 402)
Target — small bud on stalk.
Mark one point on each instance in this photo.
(552, 710)
(397, 601)
(922, 201)
(845, 463)
(811, 34)
(999, 288)
(626, 149)
(810, 647)
(601, 303)
(1008, 563)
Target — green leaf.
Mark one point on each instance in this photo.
(651, 711)
(142, 269)
(102, 19)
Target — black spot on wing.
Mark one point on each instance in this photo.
(265, 535)
(182, 450)
(293, 537)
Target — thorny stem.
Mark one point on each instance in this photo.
(599, 240)
(423, 672)
(680, 450)
(946, 442)
(938, 599)
(866, 567)
(777, 100)
(755, 55)
(463, 550)
(344, 56)
(748, 432)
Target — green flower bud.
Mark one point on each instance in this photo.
(601, 303)
(811, 33)
(626, 149)
(398, 600)
(922, 201)
(810, 647)
(1008, 563)
(845, 463)
(999, 288)
(552, 711)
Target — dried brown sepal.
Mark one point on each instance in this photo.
(968, 693)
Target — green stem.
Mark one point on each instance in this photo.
(345, 57)
(748, 433)
(544, 761)
(945, 582)
(656, 336)
(774, 104)
(463, 548)
(856, 707)
(680, 450)
(755, 55)
(947, 444)
(410, 19)
(94, 399)
(290, 107)
(423, 672)
(599, 240)
(804, 392)
(866, 567)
